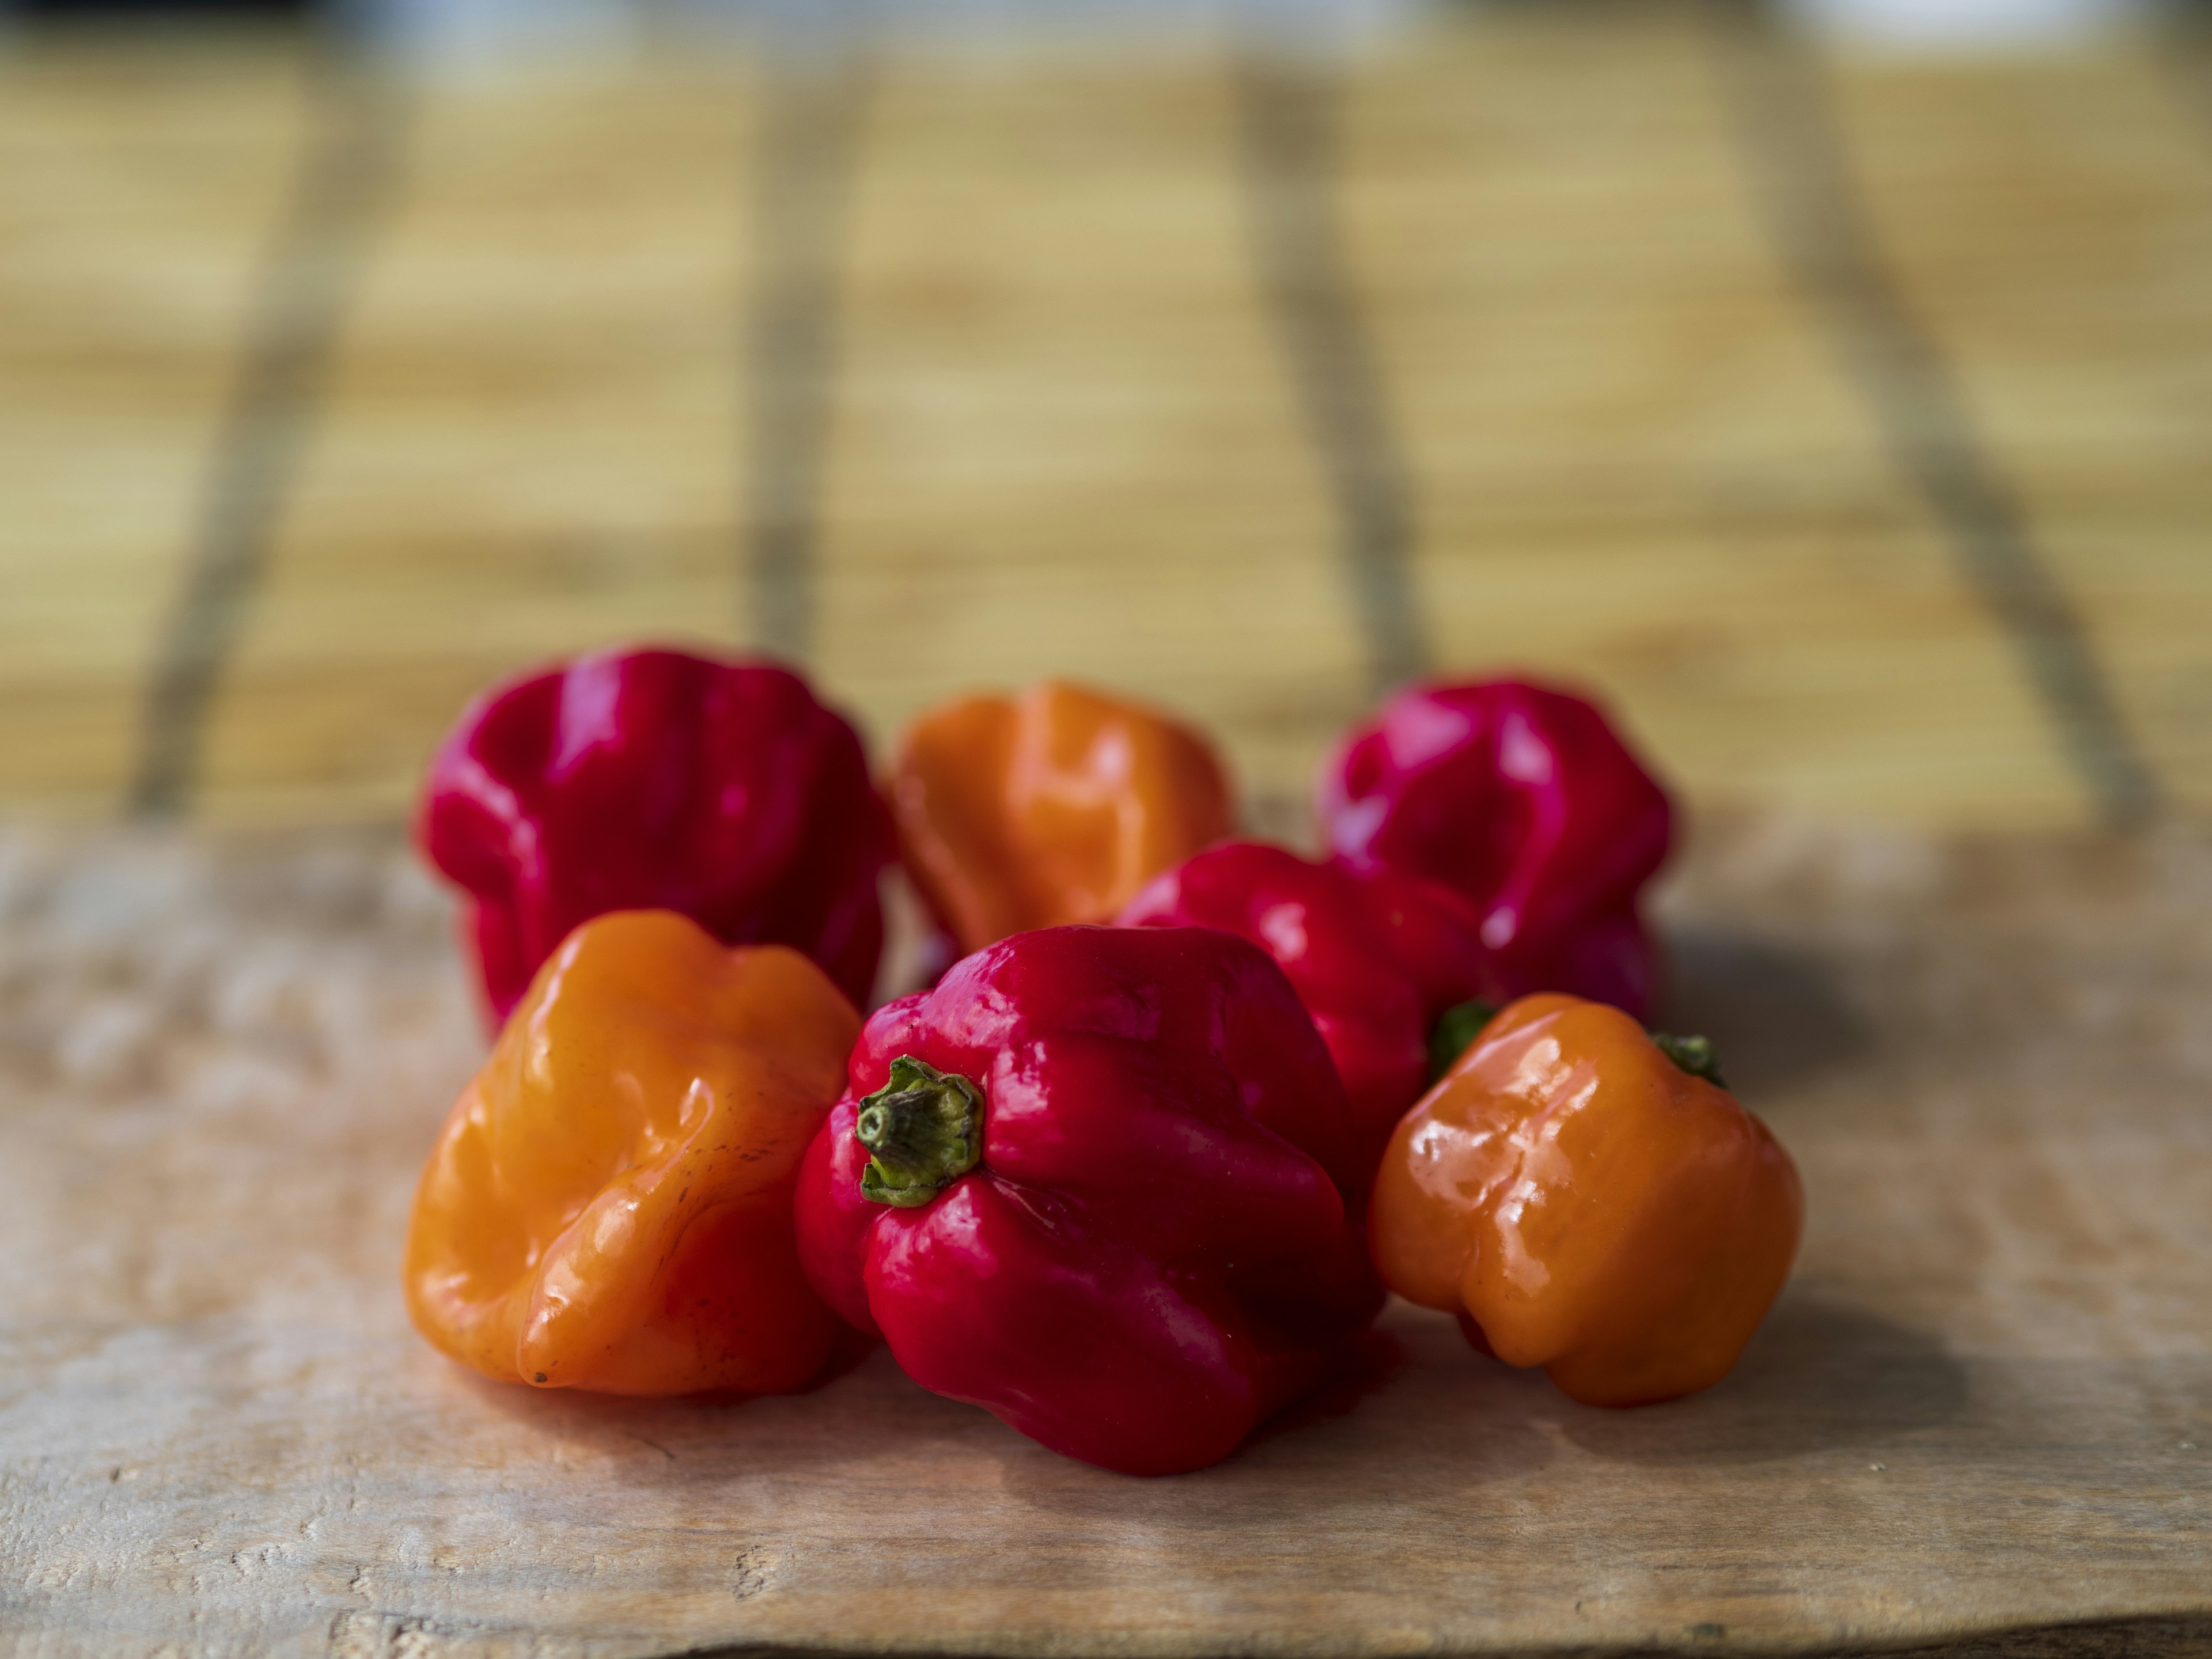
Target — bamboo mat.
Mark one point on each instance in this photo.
(1845, 421)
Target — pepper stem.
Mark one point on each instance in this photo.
(1693, 1055)
(925, 1128)
(1455, 1033)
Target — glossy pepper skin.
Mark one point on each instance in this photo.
(658, 780)
(609, 1205)
(1049, 808)
(1524, 800)
(1377, 957)
(1101, 1194)
(1588, 1205)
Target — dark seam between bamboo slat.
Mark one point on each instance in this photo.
(2183, 51)
(1793, 152)
(1289, 129)
(813, 114)
(317, 250)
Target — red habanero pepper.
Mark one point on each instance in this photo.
(1385, 961)
(1095, 1182)
(1524, 800)
(642, 780)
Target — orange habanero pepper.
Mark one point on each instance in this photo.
(609, 1205)
(1050, 807)
(1586, 1203)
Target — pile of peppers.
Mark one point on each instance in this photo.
(1174, 1113)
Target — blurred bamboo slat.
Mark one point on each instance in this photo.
(1065, 442)
(2055, 231)
(1063, 435)
(1639, 461)
(529, 446)
(135, 198)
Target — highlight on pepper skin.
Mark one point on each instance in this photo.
(609, 1207)
(1587, 1204)
(1050, 807)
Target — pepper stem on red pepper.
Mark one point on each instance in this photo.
(925, 1128)
(1693, 1055)
(1455, 1033)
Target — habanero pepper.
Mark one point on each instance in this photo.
(1095, 1182)
(609, 1205)
(1381, 959)
(1048, 808)
(1589, 1198)
(652, 778)
(1524, 800)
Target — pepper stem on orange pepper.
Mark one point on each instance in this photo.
(1693, 1055)
(1455, 1033)
(924, 1128)
(1458, 1026)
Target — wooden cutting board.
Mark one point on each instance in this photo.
(1979, 1421)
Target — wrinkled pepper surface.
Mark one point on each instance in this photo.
(1380, 959)
(658, 780)
(1094, 1183)
(1050, 807)
(1586, 1204)
(609, 1207)
(1527, 802)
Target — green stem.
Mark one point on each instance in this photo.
(1455, 1033)
(1457, 1028)
(925, 1128)
(1693, 1055)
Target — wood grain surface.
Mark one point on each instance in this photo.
(1980, 1419)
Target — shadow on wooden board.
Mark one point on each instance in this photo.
(1777, 1016)
(1820, 1376)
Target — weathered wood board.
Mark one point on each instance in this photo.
(1980, 1419)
